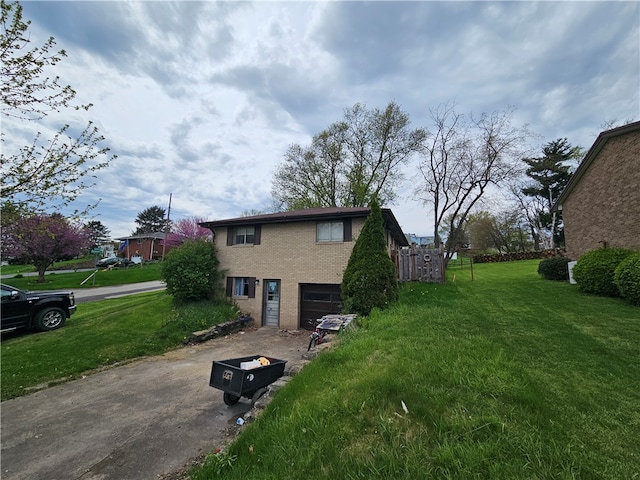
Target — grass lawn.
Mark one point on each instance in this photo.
(102, 333)
(73, 281)
(81, 262)
(507, 376)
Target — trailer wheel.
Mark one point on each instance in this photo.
(230, 399)
(257, 394)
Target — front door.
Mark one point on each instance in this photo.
(271, 317)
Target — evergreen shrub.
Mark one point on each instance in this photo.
(191, 272)
(594, 271)
(369, 281)
(627, 278)
(554, 268)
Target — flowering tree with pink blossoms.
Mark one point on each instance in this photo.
(43, 239)
(189, 228)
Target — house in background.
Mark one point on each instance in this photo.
(285, 269)
(148, 246)
(601, 203)
(422, 241)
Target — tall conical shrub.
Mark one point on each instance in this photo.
(369, 281)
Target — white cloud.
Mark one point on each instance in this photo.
(201, 99)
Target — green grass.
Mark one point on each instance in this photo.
(104, 277)
(102, 333)
(81, 262)
(508, 376)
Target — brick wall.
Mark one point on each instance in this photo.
(287, 252)
(604, 206)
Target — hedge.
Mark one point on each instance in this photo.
(627, 278)
(594, 271)
(554, 268)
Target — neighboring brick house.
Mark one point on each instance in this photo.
(601, 203)
(285, 269)
(148, 246)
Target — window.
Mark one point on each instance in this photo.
(243, 235)
(241, 287)
(321, 297)
(329, 232)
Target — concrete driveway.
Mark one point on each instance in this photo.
(135, 421)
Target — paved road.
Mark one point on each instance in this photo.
(35, 274)
(133, 422)
(91, 294)
(84, 295)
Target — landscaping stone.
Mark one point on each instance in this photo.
(220, 330)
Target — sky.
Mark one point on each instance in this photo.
(200, 100)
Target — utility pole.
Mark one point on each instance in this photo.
(166, 228)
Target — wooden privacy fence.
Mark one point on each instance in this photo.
(421, 264)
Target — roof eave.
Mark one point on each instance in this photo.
(593, 152)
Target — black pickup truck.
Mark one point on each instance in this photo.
(39, 310)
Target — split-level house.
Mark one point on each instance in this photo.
(601, 203)
(285, 269)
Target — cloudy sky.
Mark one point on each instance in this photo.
(202, 99)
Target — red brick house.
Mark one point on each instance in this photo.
(601, 203)
(148, 246)
(286, 268)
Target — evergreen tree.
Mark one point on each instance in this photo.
(151, 220)
(369, 281)
(97, 233)
(550, 174)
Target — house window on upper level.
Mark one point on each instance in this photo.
(249, 235)
(337, 231)
(244, 235)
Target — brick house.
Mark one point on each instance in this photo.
(285, 268)
(601, 203)
(148, 246)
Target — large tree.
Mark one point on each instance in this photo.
(151, 220)
(48, 172)
(350, 163)
(463, 157)
(548, 175)
(43, 239)
(502, 231)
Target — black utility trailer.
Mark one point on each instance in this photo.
(236, 382)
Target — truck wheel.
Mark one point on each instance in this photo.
(50, 318)
(230, 399)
